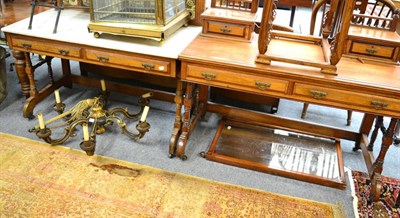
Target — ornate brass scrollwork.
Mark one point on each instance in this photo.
(262, 85)
(191, 6)
(379, 105)
(318, 94)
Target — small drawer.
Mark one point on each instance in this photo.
(235, 80)
(345, 98)
(373, 50)
(54, 49)
(142, 64)
(227, 29)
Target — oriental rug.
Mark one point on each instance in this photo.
(386, 206)
(39, 180)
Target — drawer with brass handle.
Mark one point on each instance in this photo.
(234, 80)
(229, 29)
(164, 67)
(345, 98)
(53, 49)
(229, 24)
(372, 50)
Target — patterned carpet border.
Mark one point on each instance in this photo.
(385, 207)
(48, 181)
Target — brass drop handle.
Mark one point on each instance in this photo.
(26, 46)
(148, 66)
(103, 59)
(63, 52)
(225, 29)
(372, 50)
(318, 94)
(379, 105)
(208, 76)
(262, 85)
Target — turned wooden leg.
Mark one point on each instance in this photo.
(178, 119)
(186, 121)
(66, 70)
(29, 70)
(305, 108)
(397, 137)
(377, 166)
(365, 128)
(349, 115)
(20, 70)
(48, 60)
(378, 125)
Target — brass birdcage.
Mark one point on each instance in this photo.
(155, 19)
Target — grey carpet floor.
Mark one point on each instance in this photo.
(152, 150)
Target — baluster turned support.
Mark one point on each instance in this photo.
(377, 167)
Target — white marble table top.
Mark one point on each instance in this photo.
(72, 28)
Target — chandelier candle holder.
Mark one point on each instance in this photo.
(93, 116)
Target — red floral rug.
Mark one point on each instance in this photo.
(385, 207)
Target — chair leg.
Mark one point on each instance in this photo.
(396, 141)
(349, 114)
(304, 112)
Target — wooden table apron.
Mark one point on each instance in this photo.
(366, 87)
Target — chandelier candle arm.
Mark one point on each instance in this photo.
(144, 114)
(57, 95)
(147, 95)
(85, 129)
(51, 120)
(103, 85)
(41, 121)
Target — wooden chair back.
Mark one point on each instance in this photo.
(242, 5)
(381, 14)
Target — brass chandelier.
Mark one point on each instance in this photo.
(92, 115)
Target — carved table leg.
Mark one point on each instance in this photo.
(377, 167)
(178, 119)
(37, 96)
(66, 71)
(20, 70)
(29, 70)
(31, 101)
(183, 138)
(365, 128)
